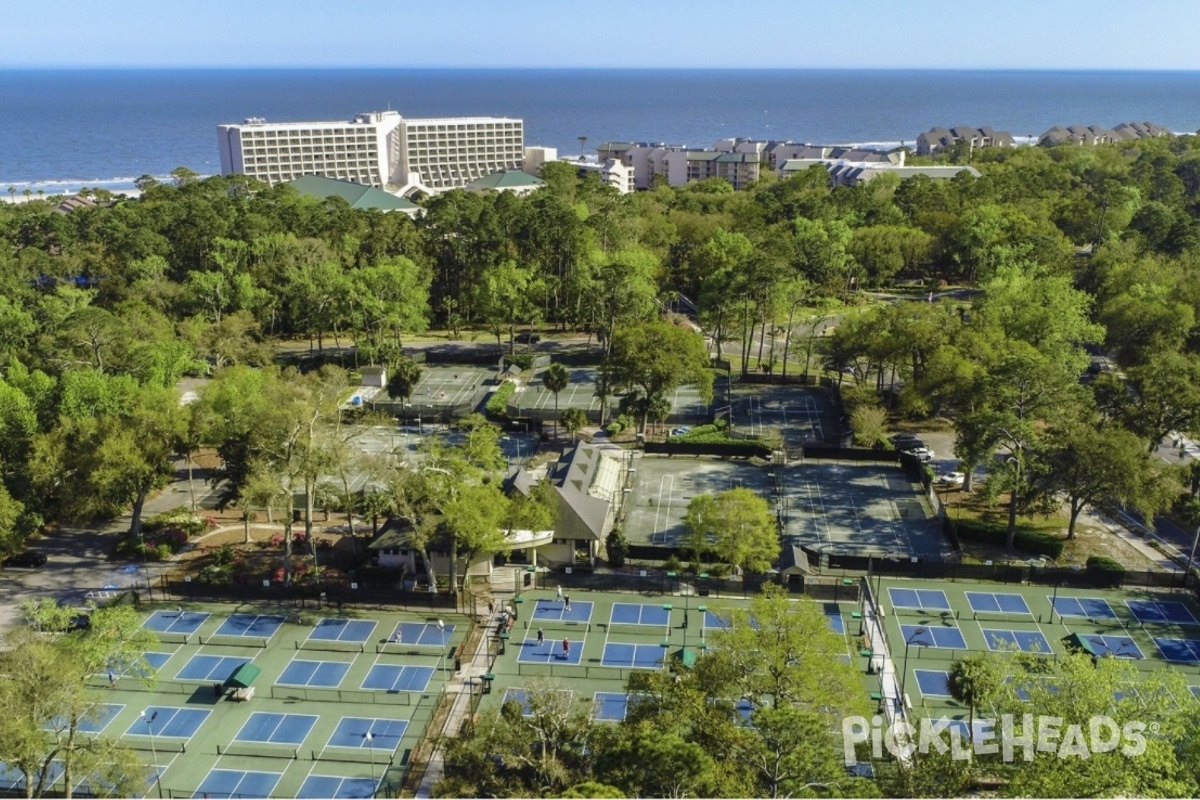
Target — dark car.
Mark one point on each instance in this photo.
(30, 558)
(528, 338)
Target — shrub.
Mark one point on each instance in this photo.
(189, 523)
(613, 428)
(497, 404)
(1106, 571)
(520, 360)
(225, 555)
(1030, 541)
(672, 564)
(618, 548)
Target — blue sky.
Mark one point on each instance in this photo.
(1010, 34)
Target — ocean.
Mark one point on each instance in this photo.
(63, 129)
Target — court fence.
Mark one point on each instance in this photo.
(363, 592)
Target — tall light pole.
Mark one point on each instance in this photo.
(153, 752)
(1187, 572)
(441, 626)
(369, 738)
(919, 636)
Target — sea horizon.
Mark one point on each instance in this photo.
(68, 127)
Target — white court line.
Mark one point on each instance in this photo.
(670, 497)
(658, 505)
(824, 515)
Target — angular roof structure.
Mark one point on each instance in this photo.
(357, 195)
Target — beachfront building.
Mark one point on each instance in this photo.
(380, 149)
(1097, 134)
(610, 171)
(935, 140)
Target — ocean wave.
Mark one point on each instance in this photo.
(75, 185)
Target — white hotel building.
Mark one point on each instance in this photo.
(380, 149)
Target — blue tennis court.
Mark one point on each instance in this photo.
(1195, 691)
(155, 662)
(352, 732)
(556, 611)
(1181, 651)
(929, 636)
(521, 697)
(269, 728)
(933, 682)
(228, 783)
(257, 625)
(210, 668)
(919, 599)
(1089, 607)
(397, 678)
(995, 603)
(421, 634)
(178, 723)
(1119, 646)
(610, 706)
(12, 779)
(343, 630)
(1025, 641)
(333, 786)
(550, 652)
(185, 622)
(94, 721)
(639, 614)
(714, 621)
(325, 674)
(1170, 613)
(836, 623)
(632, 656)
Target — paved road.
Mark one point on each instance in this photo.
(78, 561)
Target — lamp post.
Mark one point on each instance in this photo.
(441, 626)
(370, 739)
(919, 636)
(1187, 573)
(153, 751)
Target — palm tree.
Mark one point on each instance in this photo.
(574, 418)
(972, 680)
(555, 380)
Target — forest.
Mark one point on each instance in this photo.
(1069, 251)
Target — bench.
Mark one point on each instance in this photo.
(242, 695)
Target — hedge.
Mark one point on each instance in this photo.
(497, 404)
(1110, 571)
(1031, 541)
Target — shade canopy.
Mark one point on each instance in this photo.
(243, 676)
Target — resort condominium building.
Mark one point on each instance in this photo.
(381, 149)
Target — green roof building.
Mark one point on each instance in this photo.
(357, 195)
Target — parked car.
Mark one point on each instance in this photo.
(952, 480)
(922, 453)
(910, 445)
(900, 438)
(29, 558)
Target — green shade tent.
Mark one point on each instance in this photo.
(1076, 643)
(243, 676)
(686, 657)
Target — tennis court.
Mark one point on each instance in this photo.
(317, 786)
(1179, 651)
(229, 783)
(421, 634)
(398, 678)
(934, 600)
(1158, 611)
(168, 722)
(203, 741)
(343, 630)
(551, 651)
(802, 415)
(534, 399)
(933, 682)
(368, 733)
(827, 507)
(210, 668)
(326, 674)
(258, 626)
(997, 603)
(946, 638)
(1084, 607)
(521, 697)
(94, 720)
(640, 614)
(627, 655)
(555, 611)
(1013, 640)
(267, 728)
(183, 623)
(610, 706)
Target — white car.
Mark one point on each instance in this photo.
(923, 453)
(952, 480)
